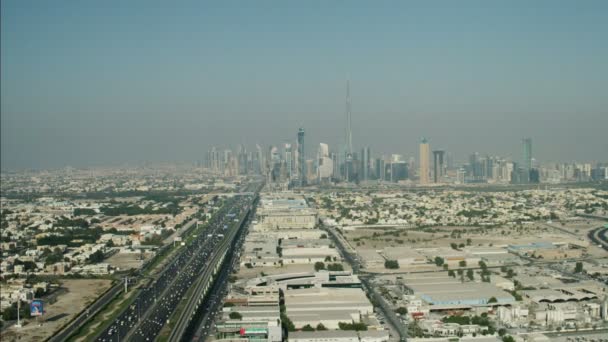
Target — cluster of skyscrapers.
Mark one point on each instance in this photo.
(292, 165)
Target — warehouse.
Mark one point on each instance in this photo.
(444, 292)
(310, 306)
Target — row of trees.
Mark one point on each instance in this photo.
(319, 265)
(131, 210)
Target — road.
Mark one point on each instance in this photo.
(144, 318)
(206, 280)
(598, 237)
(394, 321)
(213, 305)
(107, 297)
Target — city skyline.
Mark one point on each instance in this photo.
(290, 171)
(131, 94)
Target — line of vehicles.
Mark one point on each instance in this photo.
(154, 303)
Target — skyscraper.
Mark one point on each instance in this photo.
(380, 169)
(301, 159)
(288, 160)
(527, 162)
(365, 163)
(349, 132)
(335, 158)
(325, 166)
(438, 165)
(424, 161)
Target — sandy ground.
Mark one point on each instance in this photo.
(126, 261)
(496, 236)
(79, 293)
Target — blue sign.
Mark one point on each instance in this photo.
(36, 307)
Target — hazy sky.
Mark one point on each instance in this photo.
(96, 82)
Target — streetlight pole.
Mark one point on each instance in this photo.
(18, 315)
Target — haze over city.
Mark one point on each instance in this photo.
(87, 84)
(312, 171)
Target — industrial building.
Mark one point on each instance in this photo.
(284, 211)
(443, 292)
(328, 306)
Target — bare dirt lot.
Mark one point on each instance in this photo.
(78, 294)
(125, 261)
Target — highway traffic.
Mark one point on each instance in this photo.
(153, 305)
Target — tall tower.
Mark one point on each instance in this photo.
(424, 161)
(365, 163)
(527, 145)
(288, 160)
(438, 165)
(349, 132)
(301, 159)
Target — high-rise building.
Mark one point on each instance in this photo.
(380, 169)
(424, 161)
(460, 173)
(301, 159)
(310, 175)
(349, 131)
(288, 160)
(275, 164)
(365, 163)
(475, 168)
(438, 165)
(259, 165)
(527, 154)
(325, 165)
(335, 158)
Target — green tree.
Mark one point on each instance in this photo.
(308, 327)
(439, 261)
(502, 332)
(401, 310)
(287, 323)
(352, 326)
(508, 338)
(452, 274)
(492, 300)
(235, 315)
(470, 274)
(391, 264)
(319, 265)
(462, 263)
(579, 267)
(335, 267)
(321, 327)
(96, 257)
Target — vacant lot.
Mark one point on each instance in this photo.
(78, 294)
(125, 261)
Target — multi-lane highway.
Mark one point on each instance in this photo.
(202, 326)
(80, 320)
(154, 303)
(211, 279)
(599, 236)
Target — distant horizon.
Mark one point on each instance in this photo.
(109, 83)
